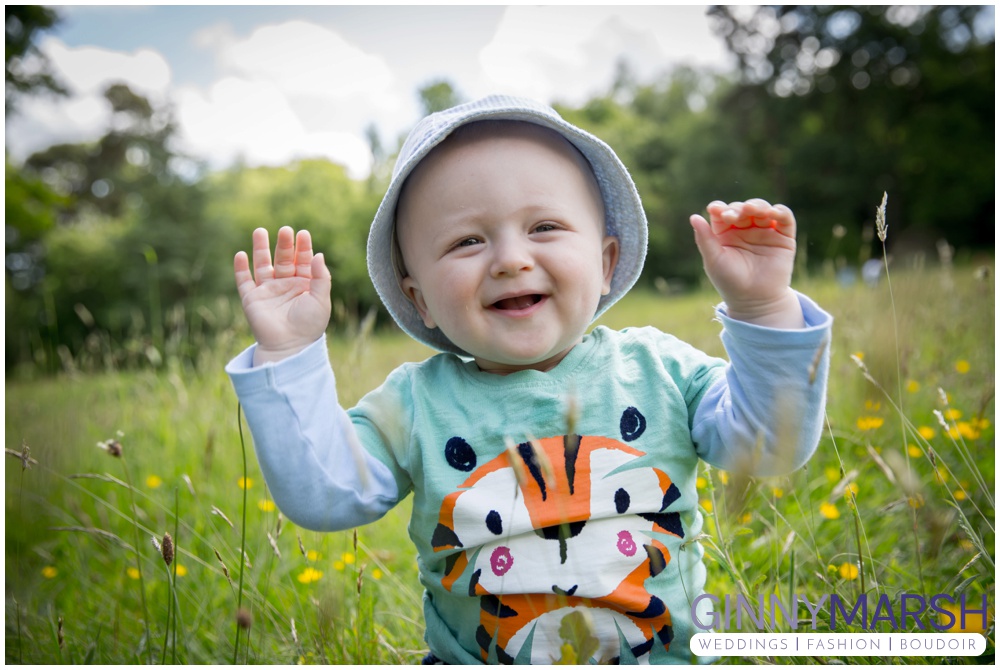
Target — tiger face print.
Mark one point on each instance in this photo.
(568, 523)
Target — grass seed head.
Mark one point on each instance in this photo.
(218, 512)
(880, 225)
(274, 545)
(514, 458)
(113, 447)
(225, 570)
(243, 618)
(167, 548)
(59, 633)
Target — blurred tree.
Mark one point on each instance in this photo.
(838, 103)
(681, 153)
(26, 69)
(437, 96)
(125, 242)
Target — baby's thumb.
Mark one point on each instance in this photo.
(319, 285)
(704, 238)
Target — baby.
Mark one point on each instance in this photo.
(553, 470)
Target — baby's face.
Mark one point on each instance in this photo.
(504, 245)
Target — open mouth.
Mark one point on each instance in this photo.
(518, 302)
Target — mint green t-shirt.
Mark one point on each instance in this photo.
(536, 494)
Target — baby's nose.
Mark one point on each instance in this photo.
(510, 258)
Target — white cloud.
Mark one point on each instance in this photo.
(571, 54)
(42, 121)
(89, 70)
(254, 121)
(291, 90)
(305, 59)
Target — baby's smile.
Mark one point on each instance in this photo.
(518, 303)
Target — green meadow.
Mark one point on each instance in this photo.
(899, 497)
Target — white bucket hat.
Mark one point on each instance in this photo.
(624, 216)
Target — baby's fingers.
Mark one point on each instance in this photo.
(303, 254)
(262, 268)
(785, 220)
(284, 253)
(241, 269)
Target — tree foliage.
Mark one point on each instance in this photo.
(26, 70)
(841, 103)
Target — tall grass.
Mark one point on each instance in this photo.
(843, 524)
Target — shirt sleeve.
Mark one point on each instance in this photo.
(765, 415)
(319, 474)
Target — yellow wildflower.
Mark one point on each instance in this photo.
(265, 505)
(870, 422)
(981, 424)
(700, 483)
(746, 518)
(926, 432)
(952, 414)
(313, 555)
(962, 366)
(153, 482)
(873, 405)
(723, 477)
(913, 450)
(777, 491)
(309, 575)
(848, 571)
(347, 557)
(966, 543)
(959, 494)
(967, 430)
(376, 574)
(860, 355)
(707, 505)
(181, 570)
(49, 572)
(916, 501)
(133, 572)
(829, 511)
(832, 474)
(245, 483)
(940, 474)
(912, 386)
(339, 566)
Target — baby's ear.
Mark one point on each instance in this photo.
(412, 291)
(610, 258)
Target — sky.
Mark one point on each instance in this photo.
(267, 85)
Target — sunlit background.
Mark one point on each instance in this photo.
(144, 144)
(270, 84)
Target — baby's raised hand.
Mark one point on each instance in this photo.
(288, 303)
(748, 250)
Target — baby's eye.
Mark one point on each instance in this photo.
(467, 242)
(544, 227)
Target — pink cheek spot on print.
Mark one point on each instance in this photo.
(626, 544)
(501, 561)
